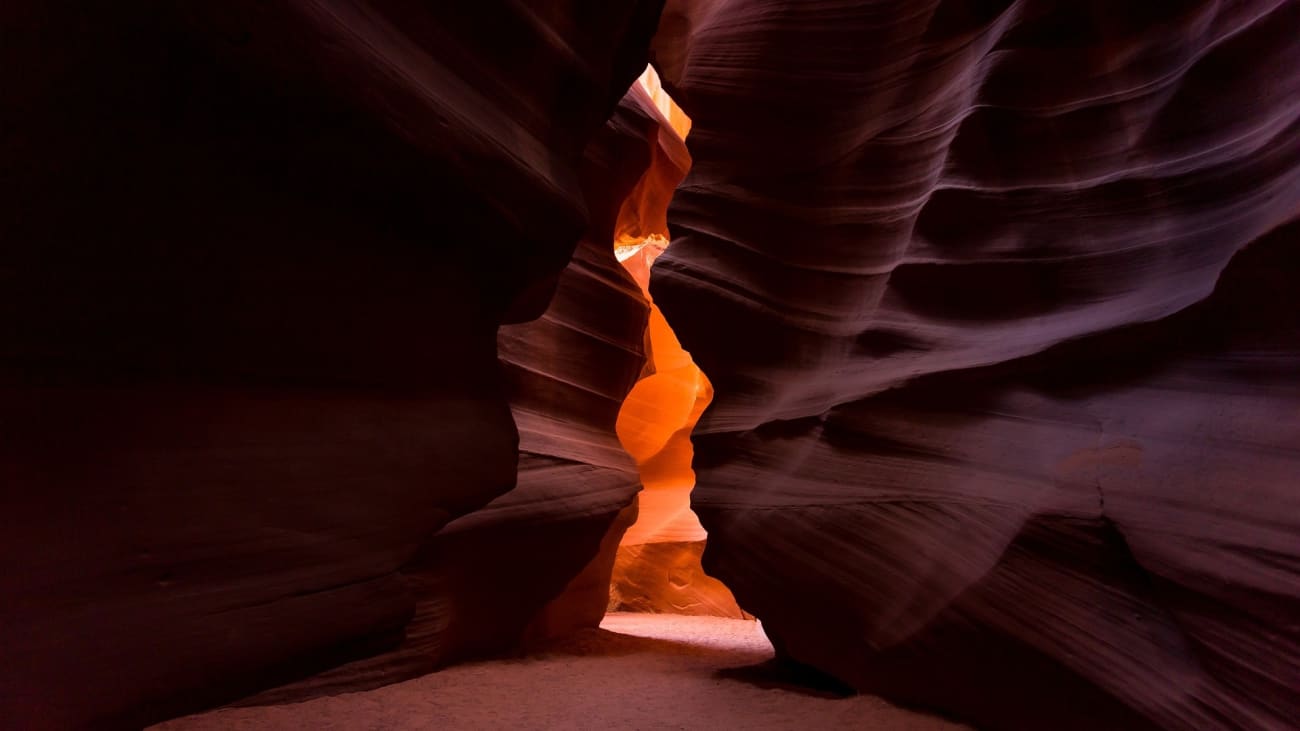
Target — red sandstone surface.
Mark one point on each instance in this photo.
(997, 300)
(314, 346)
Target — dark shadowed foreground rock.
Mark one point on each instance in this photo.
(537, 560)
(1005, 355)
(252, 265)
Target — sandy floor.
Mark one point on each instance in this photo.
(640, 671)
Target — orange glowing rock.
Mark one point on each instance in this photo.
(656, 419)
(667, 578)
(654, 426)
(658, 567)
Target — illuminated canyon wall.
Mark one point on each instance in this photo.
(658, 565)
(255, 256)
(997, 301)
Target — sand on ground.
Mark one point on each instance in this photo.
(639, 671)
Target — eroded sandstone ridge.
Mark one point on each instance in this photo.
(254, 257)
(536, 561)
(1005, 355)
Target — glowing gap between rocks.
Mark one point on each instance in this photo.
(658, 565)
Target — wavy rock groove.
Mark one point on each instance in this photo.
(1005, 362)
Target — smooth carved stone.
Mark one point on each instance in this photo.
(537, 561)
(655, 423)
(995, 300)
(253, 259)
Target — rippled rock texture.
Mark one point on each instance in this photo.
(253, 261)
(1005, 355)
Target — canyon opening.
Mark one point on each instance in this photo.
(658, 564)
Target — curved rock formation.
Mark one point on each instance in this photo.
(658, 567)
(658, 562)
(254, 257)
(490, 579)
(974, 444)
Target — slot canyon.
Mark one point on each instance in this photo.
(883, 364)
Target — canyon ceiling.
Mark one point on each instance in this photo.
(314, 345)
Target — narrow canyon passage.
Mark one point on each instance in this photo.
(360, 358)
(675, 650)
(658, 564)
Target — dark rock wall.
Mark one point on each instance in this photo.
(1005, 357)
(253, 259)
(537, 560)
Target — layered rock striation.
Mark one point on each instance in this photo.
(993, 298)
